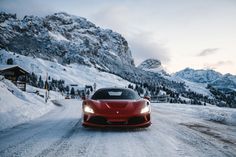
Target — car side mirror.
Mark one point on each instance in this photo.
(147, 98)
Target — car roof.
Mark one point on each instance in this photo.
(118, 88)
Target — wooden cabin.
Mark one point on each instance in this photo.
(16, 74)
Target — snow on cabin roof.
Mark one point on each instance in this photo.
(5, 67)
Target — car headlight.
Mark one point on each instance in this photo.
(145, 109)
(88, 109)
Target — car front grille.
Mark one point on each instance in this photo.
(136, 120)
(131, 121)
(117, 123)
(98, 120)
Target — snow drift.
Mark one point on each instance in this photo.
(17, 107)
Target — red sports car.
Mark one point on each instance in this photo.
(116, 107)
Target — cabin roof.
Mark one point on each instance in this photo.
(11, 67)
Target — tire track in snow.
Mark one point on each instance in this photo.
(51, 126)
(82, 143)
(61, 145)
(114, 142)
(25, 142)
(26, 131)
(25, 145)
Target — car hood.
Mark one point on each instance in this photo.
(116, 104)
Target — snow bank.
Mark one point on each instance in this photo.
(52, 94)
(220, 115)
(210, 113)
(17, 107)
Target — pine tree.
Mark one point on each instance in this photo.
(72, 91)
(10, 61)
(67, 89)
(40, 82)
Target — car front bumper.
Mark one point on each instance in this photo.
(142, 120)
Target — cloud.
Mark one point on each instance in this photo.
(116, 18)
(218, 64)
(144, 46)
(142, 43)
(207, 52)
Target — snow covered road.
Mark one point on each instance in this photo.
(174, 132)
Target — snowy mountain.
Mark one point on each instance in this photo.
(211, 77)
(199, 76)
(152, 65)
(65, 38)
(68, 39)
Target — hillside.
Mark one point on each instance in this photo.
(72, 74)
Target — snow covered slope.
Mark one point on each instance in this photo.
(72, 74)
(200, 88)
(17, 107)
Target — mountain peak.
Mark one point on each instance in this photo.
(150, 64)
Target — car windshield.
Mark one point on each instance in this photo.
(114, 93)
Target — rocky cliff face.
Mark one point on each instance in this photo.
(65, 38)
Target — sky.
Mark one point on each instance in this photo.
(200, 34)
